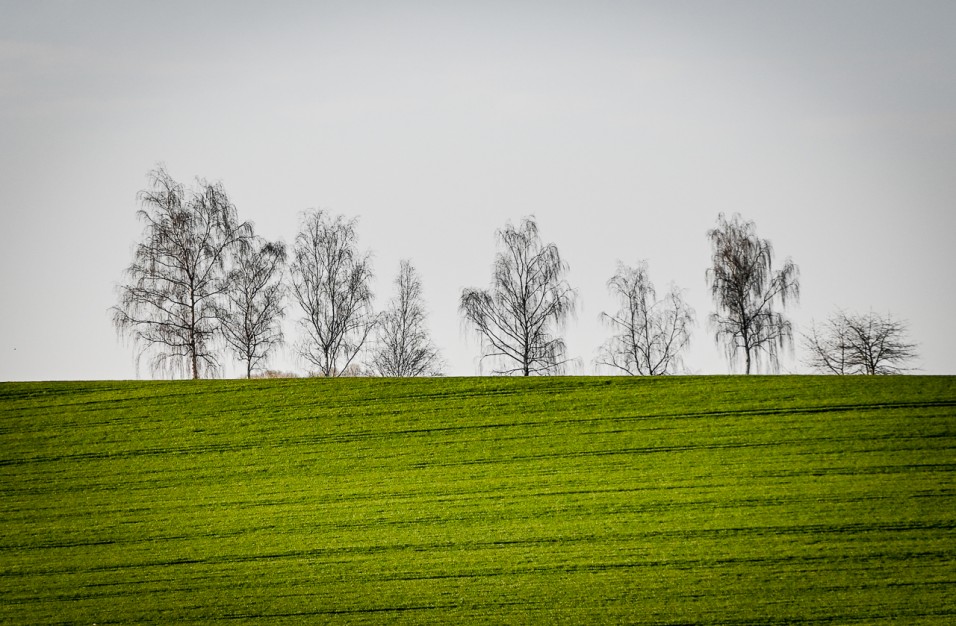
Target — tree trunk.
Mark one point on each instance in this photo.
(193, 358)
(192, 335)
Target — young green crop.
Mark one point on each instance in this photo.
(676, 500)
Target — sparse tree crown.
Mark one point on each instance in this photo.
(169, 305)
(403, 346)
(859, 344)
(528, 302)
(649, 334)
(330, 282)
(253, 306)
(746, 290)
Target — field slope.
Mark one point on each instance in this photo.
(576, 500)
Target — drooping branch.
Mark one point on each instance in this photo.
(403, 346)
(330, 282)
(649, 334)
(528, 302)
(168, 305)
(253, 306)
(746, 290)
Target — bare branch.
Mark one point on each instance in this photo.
(177, 276)
(649, 334)
(330, 282)
(528, 301)
(745, 289)
(403, 346)
(859, 344)
(253, 304)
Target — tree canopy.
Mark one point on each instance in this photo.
(519, 316)
(169, 304)
(746, 291)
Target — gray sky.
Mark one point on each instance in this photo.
(624, 127)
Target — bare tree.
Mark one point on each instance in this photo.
(529, 300)
(859, 344)
(829, 346)
(746, 288)
(253, 306)
(168, 306)
(330, 281)
(404, 347)
(649, 334)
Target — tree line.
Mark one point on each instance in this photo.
(201, 280)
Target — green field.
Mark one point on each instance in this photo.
(575, 500)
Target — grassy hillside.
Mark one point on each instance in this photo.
(685, 500)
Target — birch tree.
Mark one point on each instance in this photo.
(403, 345)
(747, 291)
(253, 305)
(519, 317)
(168, 306)
(648, 334)
(330, 283)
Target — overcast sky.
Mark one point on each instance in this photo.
(624, 127)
